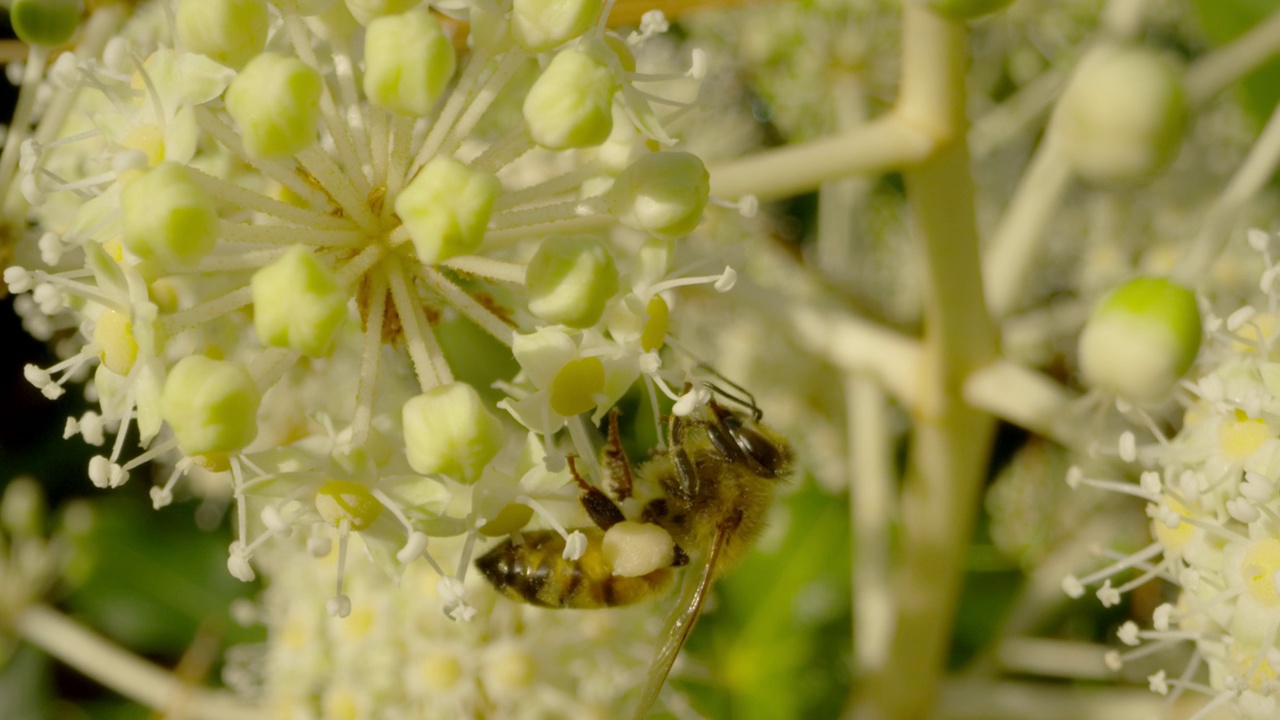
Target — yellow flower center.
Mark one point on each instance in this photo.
(508, 520)
(576, 386)
(1241, 437)
(1259, 570)
(1175, 539)
(116, 346)
(655, 329)
(339, 500)
(440, 671)
(148, 139)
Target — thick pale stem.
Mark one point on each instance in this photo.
(1017, 239)
(124, 672)
(1028, 399)
(950, 448)
(886, 143)
(1213, 73)
(871, 504)
(1254, 172)
(37, 57)
(859, 346)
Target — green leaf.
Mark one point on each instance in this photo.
(155, 577)
(1225, 20)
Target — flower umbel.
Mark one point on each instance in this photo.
(262, 225)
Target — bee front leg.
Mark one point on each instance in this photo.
(602, 511)
(686, 486)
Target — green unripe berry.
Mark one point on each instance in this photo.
(229, 31)
(662, 193)
(211, 405)
(539, 25)
(366, 11)
(1121, 118)
(1140, 339)
(275, 101)
(570, 280)
(408, 62)
(571, 103)
(44, 22)
(298, 303)
(446, 208)
(448, 430)
(166, 217)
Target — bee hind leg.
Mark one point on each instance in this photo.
(603, 512)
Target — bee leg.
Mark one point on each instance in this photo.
(679, 558)
(615, 462)
(687, 478)
(602, 511)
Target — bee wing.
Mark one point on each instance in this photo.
(683, 617)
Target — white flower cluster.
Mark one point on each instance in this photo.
(1213, 496)
(270, 230)
(397, 656)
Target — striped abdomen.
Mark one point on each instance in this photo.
(536, 572)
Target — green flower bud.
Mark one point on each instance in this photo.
(1121, 118)
(211, 405)
(229, 31)
(275, 101)
(570, 279)
(539, 25)
(44, 22)
(662, 193)
(634, 549)
(571, 103)
(365, 11)
(166, 217)
(408, 62)
(446, 208)
(1140, 339)
(448, 430)
(298, 303)
(967, 9)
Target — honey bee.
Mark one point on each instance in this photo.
(714, 485)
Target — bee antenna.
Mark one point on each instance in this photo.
(702, 365)
(749, 402)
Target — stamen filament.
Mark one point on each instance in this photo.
(482, 316)
(428, 360)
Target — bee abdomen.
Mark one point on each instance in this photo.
(536, 572)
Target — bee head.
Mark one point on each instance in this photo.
(737, 434)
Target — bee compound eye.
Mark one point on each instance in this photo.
(758, 447)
